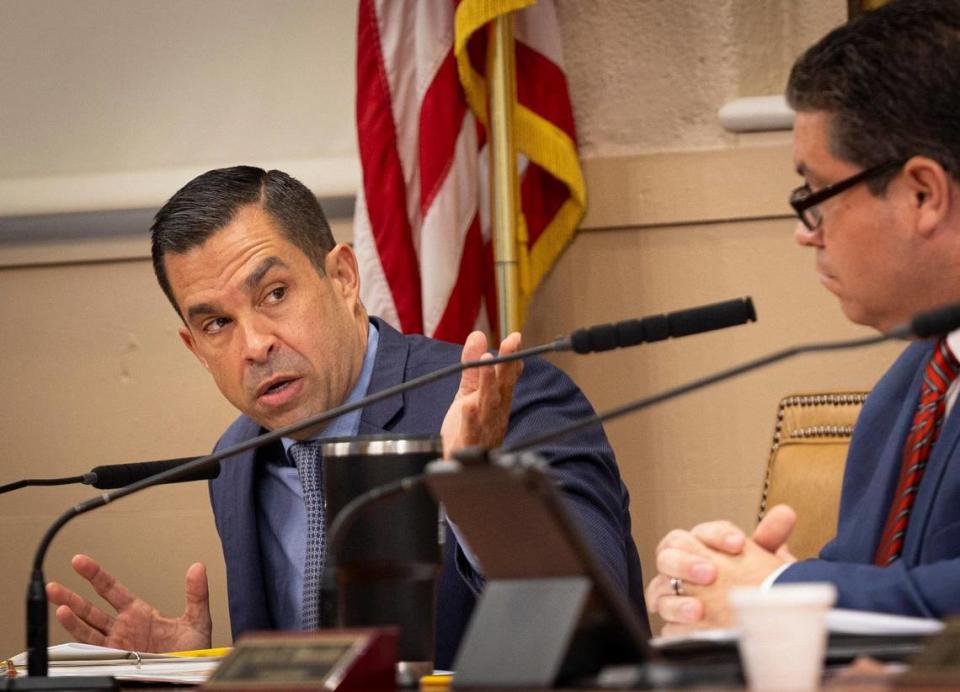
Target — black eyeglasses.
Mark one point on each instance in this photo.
(806, 202)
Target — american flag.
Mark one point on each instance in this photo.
(422, 226)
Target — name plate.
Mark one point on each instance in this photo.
(341, 659)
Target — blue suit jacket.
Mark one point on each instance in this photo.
(544, 398)
(926, 580)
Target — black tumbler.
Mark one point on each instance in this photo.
(389, 558)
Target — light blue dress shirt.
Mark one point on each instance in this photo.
(281, 517)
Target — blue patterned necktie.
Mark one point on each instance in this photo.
(307, 457)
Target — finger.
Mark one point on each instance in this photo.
(469, 420)
(80, 607)
(511, 344)
(720, 535)
(693, 569)
(507, 373)
(685, 610)
(58, 594)
(775, 528)
(473, 348)
(683, 540)
(197, 592)
(112, 591)
(78, 629)
(487, 386)
(655, 589)
(658, 586)
(507, 376)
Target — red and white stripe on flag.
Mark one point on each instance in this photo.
(422, 232)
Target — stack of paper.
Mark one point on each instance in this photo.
(85, 659)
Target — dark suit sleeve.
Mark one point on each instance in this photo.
(928, 590)
(585, 471)
(924, 581)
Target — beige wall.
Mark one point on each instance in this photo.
(94, 375)
(682, 213)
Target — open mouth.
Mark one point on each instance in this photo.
(276, 387)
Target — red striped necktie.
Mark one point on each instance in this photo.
(941, 370)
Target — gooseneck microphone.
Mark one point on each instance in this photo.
(697, 320)
(937, 322)
(604, 337)
(118, 475)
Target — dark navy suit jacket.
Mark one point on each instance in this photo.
(926, 580)
(583, 466)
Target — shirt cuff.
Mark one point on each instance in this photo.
(773, 576)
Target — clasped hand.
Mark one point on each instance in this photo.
(711, 559)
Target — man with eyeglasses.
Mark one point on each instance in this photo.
(877, 141)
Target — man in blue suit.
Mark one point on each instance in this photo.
(270, 306)
(877, 140)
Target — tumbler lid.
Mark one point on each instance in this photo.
(373, 445)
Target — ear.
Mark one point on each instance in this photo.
(929, 187)
(342, 269)
(187, 338)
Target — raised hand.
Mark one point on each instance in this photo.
(481, 409)
(136, 625)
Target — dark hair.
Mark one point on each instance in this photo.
(891, 81)
(210, 201)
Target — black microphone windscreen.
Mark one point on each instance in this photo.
(939, 322)
(656, 328)
(603, 337)
(728, 313)
(580, 341)
(630, 333)
(120, 475)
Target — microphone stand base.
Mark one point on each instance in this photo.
(81, 683)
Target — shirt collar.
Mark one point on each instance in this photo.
(953, 343)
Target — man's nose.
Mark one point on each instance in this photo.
(804, 236)
(258, 342)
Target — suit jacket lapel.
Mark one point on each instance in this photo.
(943, 451)
(388, 370)
(875, 458)
(238, 529)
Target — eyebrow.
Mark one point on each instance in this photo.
(811, 177)
(200, 309)
(249, 284)
(265, 266)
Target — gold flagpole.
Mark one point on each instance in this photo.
(504, 195)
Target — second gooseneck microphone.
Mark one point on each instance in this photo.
(119, 475)
(604, 337)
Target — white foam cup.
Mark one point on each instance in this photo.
(783, 634)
